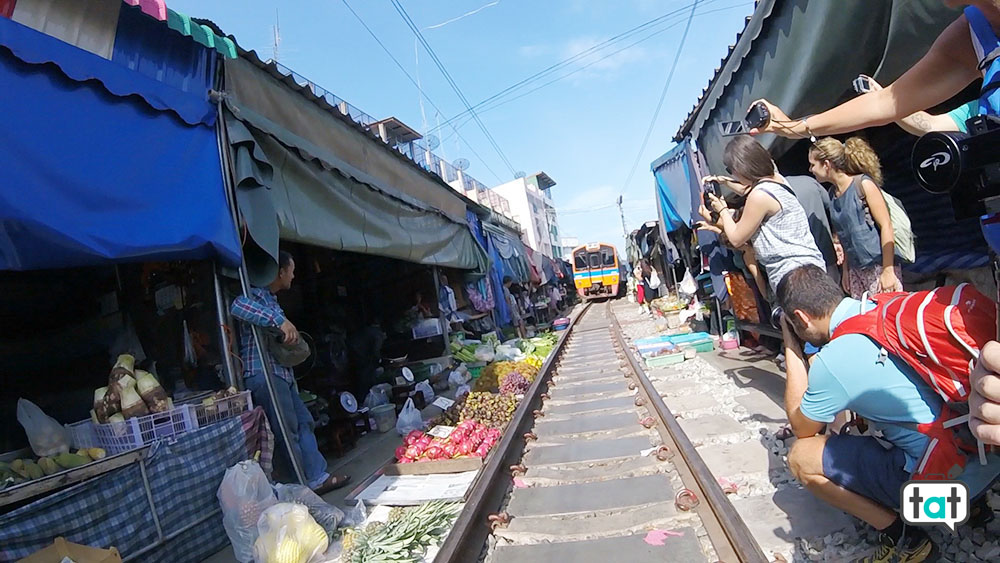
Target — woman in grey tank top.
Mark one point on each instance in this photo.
(772, 219)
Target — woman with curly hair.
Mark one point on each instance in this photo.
(858, 213)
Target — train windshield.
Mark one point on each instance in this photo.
(595, 260)
(580, 260)
(609, 256)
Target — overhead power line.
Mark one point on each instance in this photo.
(578, 56)
(663, 96)
(416, 85)
(458, 91)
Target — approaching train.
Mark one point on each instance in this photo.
(596, 270)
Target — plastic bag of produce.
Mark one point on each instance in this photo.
(456, 379)
(288, 534)
(409, 419)
(485, 353)
(356, 515)
(425, 388)
(243, 495)
(45, 435)
(376, 397)
(462, 391)
(325, 514)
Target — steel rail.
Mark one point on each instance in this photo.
(471, 530)
(737, 537)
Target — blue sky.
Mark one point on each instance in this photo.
(584, 130)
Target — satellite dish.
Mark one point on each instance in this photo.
(520, 174)
(461, 164)
(433, 142)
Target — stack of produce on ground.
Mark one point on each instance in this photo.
(492, 410)
(469, 438)
(540, 345)
(514, 384)
(405, 537)
(28, 469)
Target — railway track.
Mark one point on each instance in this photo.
(594, 467)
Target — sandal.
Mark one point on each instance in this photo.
(332, 483)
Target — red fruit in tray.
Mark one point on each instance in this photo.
(450, 450)
(400, 452)
(494, 433)
(480, 426)
(434, 452)
(458, 435)
(482, 450)
(465, 447)
(467, 424)
(405, 460)
(424, 441)
(413, 452)
(412, 437)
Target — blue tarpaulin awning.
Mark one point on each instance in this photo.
(678, 187)
(103, 164)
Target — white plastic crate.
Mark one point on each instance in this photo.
(221, 409)
(136, 432)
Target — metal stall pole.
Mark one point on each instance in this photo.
(235, 380)
(228, 175)
(445, 326)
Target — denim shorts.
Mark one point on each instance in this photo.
(860, 464)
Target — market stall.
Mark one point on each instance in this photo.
(115, 222)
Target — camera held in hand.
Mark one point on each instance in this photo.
(776, 314)
(711, 188)
(964, 165)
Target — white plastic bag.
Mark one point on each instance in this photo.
(462, 391)
(325, 514)
(45, 435)
(425, 388)
(288, 534)
(409, 419)
(244, 494)
(456, 379)
(484, 353)
(376, 397)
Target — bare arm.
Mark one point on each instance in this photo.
(796, 383)
(921, 123)
(880, 213)
(757, 208)
(949, 66)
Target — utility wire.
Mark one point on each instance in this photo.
(417, 85)
(580, 55)
(663, 96)
(496, 105)
(458, 91)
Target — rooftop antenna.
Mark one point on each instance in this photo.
(461, 164)
(277, 36)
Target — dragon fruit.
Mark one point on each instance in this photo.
(450, 450)
(400, 452)
(412, 437)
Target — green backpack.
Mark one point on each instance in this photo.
(902, 232)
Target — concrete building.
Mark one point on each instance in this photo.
(568, 244)
(532, 207)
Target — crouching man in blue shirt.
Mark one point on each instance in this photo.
(861, 475)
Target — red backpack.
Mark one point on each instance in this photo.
(939, 334)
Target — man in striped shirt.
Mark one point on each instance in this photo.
(261, 309)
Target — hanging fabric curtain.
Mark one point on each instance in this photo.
(510, 253)
(101, 163)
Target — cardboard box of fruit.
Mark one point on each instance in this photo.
(444, 449)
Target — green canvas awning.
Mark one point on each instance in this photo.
(803, 56)
(286, 191)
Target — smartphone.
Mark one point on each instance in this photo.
(862, 84)
(758, 116)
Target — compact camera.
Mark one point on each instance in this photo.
(711, 188)
(758, 116)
